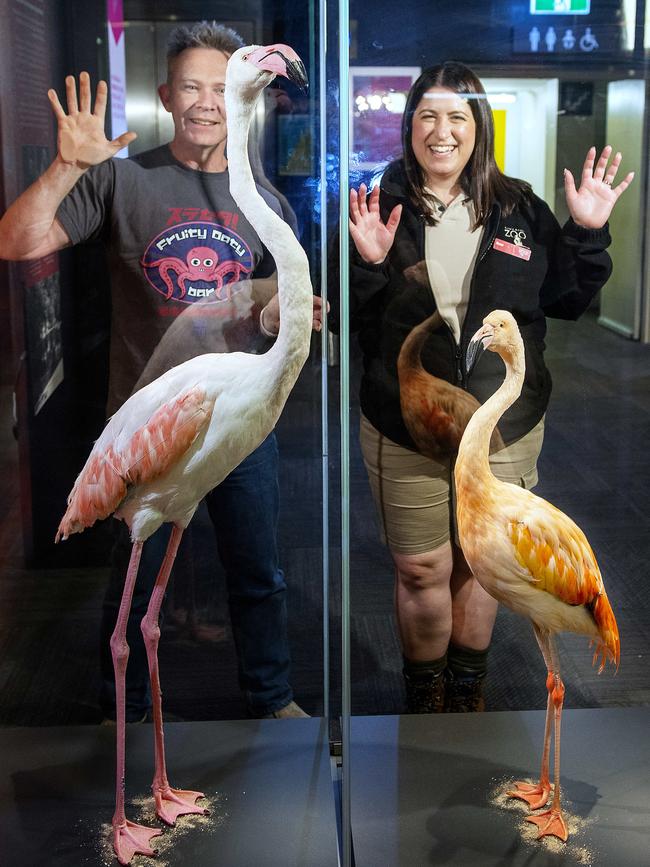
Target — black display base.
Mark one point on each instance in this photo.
(429, 789)
(268, 784)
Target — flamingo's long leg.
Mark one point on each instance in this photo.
(551, 821)
(536, 796)
(170, 803)
(128, 838)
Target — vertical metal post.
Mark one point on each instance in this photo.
(322, 153)
(344, 115)
(642, 35)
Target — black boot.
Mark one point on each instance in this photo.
(463, 694)
(425, 686)
(464, 675)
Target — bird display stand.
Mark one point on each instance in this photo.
(267, 783)
(430, 789)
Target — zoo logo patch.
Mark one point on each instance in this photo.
(197, 261)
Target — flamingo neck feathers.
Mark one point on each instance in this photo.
(473, 464)
(294, 284)
(410, 354)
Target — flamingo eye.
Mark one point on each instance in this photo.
(208, 263)
(195, 262)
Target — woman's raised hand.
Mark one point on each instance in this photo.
(81, 138)
(591, 204)
(372, 238)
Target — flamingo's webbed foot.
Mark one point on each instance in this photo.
(130, 839)
(550, 822)
(172, 803)
(535, 796)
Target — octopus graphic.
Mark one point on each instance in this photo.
(201, 263)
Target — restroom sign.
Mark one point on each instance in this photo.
(559, 7)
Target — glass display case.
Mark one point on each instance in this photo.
(335, 681)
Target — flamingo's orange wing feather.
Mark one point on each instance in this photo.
(561, 562)
(145, 456)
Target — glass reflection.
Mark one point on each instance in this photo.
(189, 276)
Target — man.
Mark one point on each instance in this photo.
(177, 245)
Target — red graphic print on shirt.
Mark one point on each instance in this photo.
(197, 261)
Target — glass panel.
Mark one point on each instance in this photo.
(555, 81)
(179, 324)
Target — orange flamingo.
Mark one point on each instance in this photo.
(435, 412)
(179, 437)
(528, 555)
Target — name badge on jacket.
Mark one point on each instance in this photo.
(517, 250)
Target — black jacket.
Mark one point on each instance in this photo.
(566, 268)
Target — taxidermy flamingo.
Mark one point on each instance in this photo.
(180, 436)
(528, 555)
(435, 412)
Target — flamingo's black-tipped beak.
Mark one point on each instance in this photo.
(282, 60)
(297, 73)
(477, 345)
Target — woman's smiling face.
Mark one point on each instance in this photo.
(443, 135)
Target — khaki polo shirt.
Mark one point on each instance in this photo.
(451, 249)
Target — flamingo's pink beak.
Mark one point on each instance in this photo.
(281, 60)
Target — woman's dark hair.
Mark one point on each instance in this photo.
(481, 179)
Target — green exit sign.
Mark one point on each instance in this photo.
(559, 7)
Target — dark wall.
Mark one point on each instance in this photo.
(476, 32)
(40, 43)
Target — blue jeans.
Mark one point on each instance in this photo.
(244, 513)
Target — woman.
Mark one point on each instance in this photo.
(448, 231)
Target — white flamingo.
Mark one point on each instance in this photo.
(179, 437)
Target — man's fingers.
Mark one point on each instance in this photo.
(84, 92)
(71, 94)
(57, 108)
(318, 303)
(101, 96)
(124, 140)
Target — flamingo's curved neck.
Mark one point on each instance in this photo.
(410, 354)
(473, 462)
(292, 346)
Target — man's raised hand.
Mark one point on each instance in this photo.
(81, 138)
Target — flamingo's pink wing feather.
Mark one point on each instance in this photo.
(143, 457)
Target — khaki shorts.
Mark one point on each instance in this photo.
(413, 494)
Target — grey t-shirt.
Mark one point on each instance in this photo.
(180, 251)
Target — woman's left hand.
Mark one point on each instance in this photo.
(591, 204)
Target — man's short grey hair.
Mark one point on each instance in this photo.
(204, 34)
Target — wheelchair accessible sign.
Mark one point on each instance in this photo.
(568, 36)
